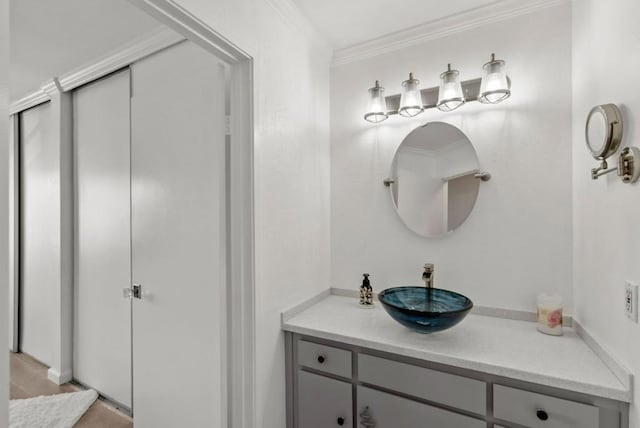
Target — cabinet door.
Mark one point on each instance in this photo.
(323, 402)
(389, 411)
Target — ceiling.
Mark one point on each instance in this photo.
(51, 38)
(348, 22)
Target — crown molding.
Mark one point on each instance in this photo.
(52, 87)
(292, 15)
(126, 54)
(494, 12)
(28, 101)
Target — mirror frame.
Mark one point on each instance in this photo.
(613, 138)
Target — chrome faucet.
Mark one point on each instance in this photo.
(427, 275)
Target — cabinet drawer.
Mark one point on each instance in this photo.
(456, 391)
(390, 411)
(323, 402)
(521, 407)
(325, 358)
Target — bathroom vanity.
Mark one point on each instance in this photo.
(354, 367)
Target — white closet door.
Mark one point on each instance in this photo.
(102, 317)
(39, 232)
(179, 239)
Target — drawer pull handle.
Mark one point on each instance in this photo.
(321, 359)
(542, 415)
(340, 421)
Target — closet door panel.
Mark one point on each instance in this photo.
(39, 232)
(179, 239)
(102, 316)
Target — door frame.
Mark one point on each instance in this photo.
(240, 368)
(14, 232)
(240, 283)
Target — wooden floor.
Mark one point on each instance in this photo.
(29, 379)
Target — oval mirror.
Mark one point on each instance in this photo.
(435, 179)
(603, 131)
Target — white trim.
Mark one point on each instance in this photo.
(182, 21)
(124, 55)
(59, 378)
(484, 15)
(14, 233)
(242, 340)
(29, 101)
(51, 87)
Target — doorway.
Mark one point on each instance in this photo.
(237, 299)
(151, 237)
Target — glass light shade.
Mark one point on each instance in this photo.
(410, 98)
(377, 109)
(494, 87)
(450, 95)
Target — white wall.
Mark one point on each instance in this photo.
(606, 60)
(510, 248)
(291, 78)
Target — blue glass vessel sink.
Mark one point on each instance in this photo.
(423, 309)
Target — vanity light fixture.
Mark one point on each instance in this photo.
(410, 99)
(494, 87)
(377, 111)
(450, 95)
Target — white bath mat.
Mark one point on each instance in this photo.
(51, 411)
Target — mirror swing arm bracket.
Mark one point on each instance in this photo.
(628, 167)
(601, 170)
(629, 164)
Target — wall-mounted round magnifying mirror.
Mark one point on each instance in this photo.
(435, 179)
(603, 131)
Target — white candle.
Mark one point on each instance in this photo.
(550, 314)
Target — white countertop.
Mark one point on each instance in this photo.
(502, 347)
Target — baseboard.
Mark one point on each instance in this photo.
(59, 378)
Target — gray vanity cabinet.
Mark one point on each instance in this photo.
(388, 410)
(323, 402)
(332, 384)
(522, 407)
